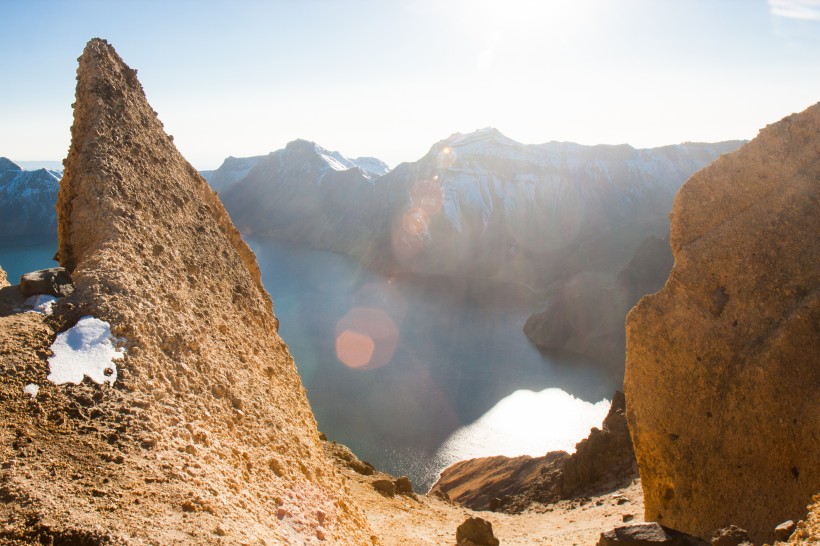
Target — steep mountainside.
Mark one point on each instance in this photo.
(201, 431)
(586, 314)
(477, 205)
(308, 194)
(27, 200)
(722, 366)
(232, 170)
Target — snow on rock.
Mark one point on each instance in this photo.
(86, 349)
(31, 389)
(40, 303)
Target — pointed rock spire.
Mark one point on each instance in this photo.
(206, 431)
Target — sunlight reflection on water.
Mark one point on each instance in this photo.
(525, 423)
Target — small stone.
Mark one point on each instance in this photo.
(385, 487)
(476, 532)
(627, 517)
(54, 281)
(220, 531)
(648, 534)
(784, 531)
(730, 536)
(404, 486)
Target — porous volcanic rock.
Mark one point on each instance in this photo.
(206, 436)
(723, 368)
(808, 530)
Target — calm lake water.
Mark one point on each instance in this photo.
(412, 374)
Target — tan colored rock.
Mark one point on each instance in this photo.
(808, 530)
(723, 368)
(207, 432)
(4, 281)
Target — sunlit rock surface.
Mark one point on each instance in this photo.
(206, 436)
(723, 368)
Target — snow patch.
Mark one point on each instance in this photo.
(40, 303)
(31, 389)
(87, 349)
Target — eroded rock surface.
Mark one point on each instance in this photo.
(723, 367)
(206, 436)
(4, 281)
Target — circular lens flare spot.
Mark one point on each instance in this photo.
(366, 337)
(354, 349)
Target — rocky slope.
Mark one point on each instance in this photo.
(586, 314)
(722, 367)
(203, 433)
(602, 462)
(27, 200)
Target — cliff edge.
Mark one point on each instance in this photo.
(722, 367)
(202, 432)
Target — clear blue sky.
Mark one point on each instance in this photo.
(389, 78)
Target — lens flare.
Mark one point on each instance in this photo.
(355, 350)
(366, 337)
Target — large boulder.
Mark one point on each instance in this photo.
(206, 435)
(723, 368)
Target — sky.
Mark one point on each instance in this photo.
(390, 78)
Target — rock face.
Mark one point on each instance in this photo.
(3, 278)
(601, 462)
(27, 200)
(206, 435)
(587, 313)
(722, 367)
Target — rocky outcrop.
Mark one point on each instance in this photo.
(722, 366)
(205, 436)
(54, 281)
(648, 534)
(27, 200)
(601, 462)
(476, 532)
(586, 314)
(3, 278)
(807, 531)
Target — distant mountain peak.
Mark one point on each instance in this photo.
(7, 164)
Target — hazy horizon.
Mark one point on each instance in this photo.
(390, 79)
